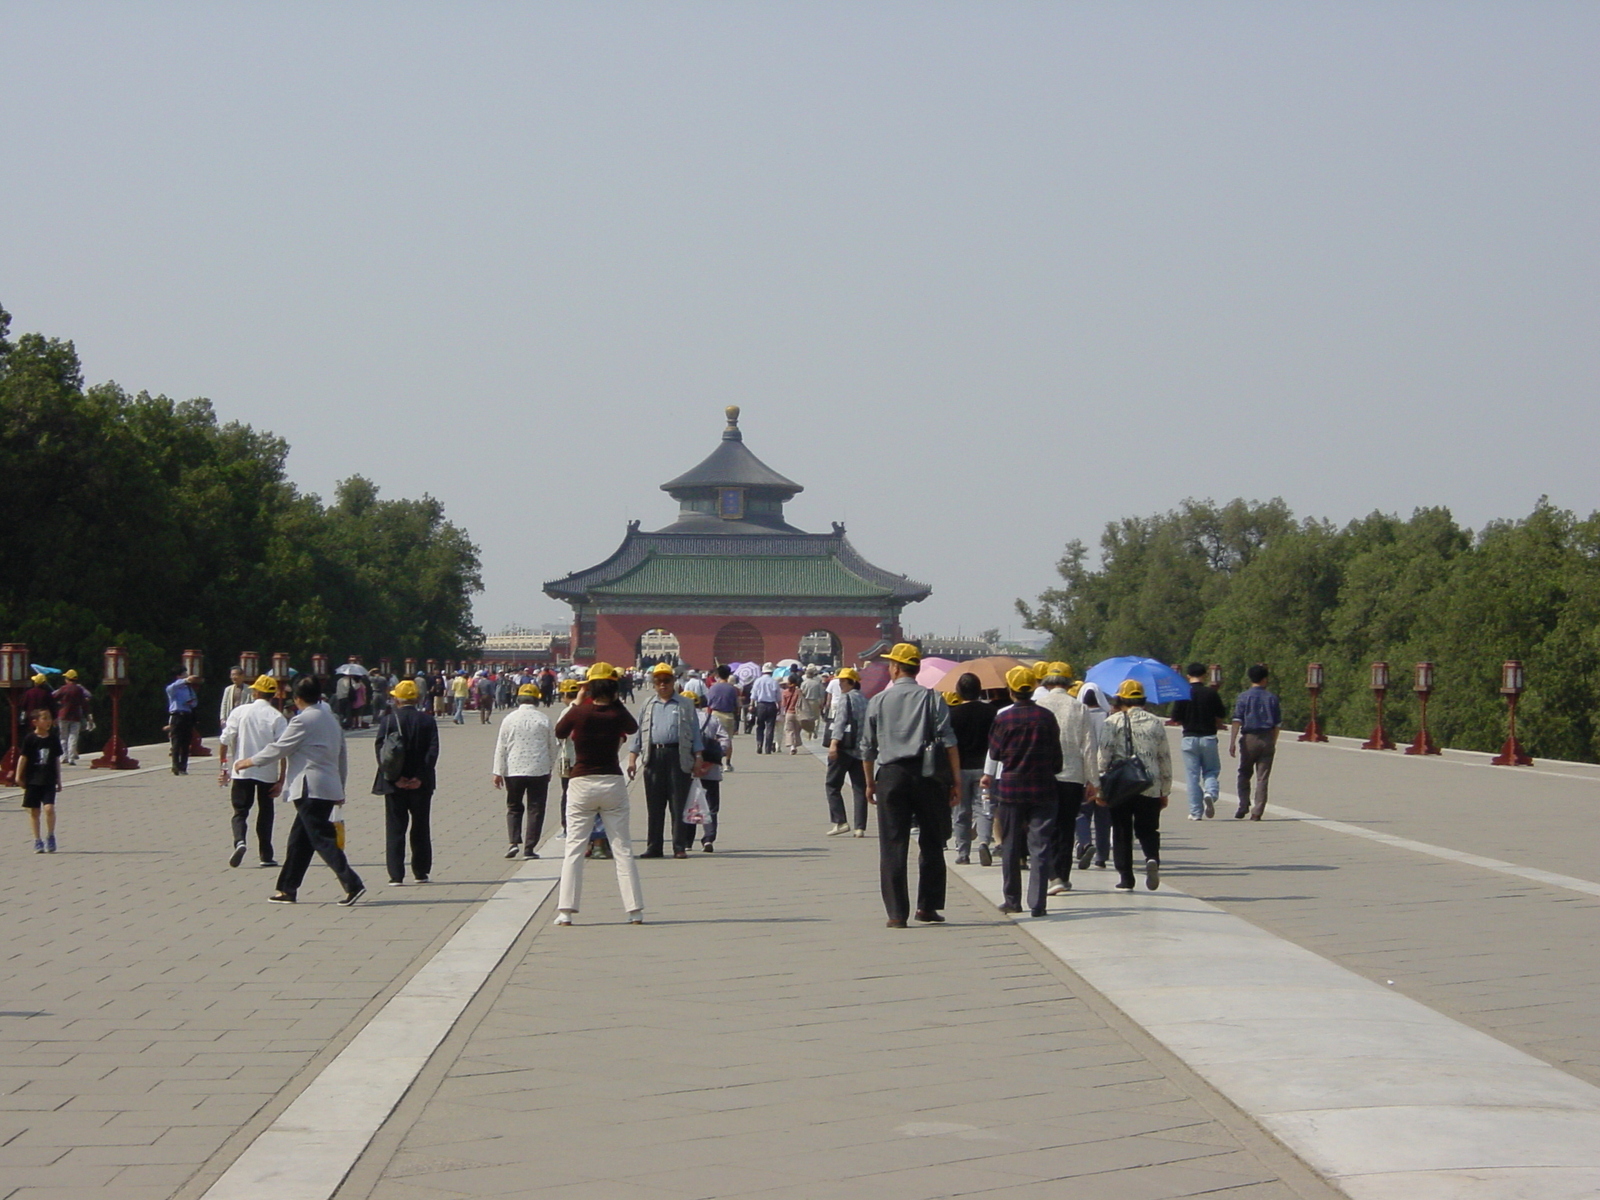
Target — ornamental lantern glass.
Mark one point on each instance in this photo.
(1424, 679)
(433, 666)
(250, 664)
(1314, 677)
(1214, 675)
(114, 670)
(280, 665)
(1511, 677)
(319, 664)
(14, 670)
(411, 667)
(1380, 676)
(194, 662)
(383, 667)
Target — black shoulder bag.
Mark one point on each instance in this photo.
(1126, 777)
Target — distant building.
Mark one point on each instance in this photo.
(956, 649)
(516, 645)
(731, 581)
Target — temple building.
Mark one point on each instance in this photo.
(731, 581)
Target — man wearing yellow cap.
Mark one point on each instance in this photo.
(913, 776)
(1079, 750)
(524, 759)
(1131, 731)
(249, 729)
(72, 706)
(408, 796)
(669, 741)
(1024, 759)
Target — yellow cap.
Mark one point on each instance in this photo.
(905, 654)
(72, 674)
(38, 678)
(602, 670)
(568, 686)
(1059, 668)
(529, 689)
(268, 686)
(953, 699)
(1131, 689)
(1021, 679)
(1075, 688)
(850, 673)
(406, 689)
(663, 669)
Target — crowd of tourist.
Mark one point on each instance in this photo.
(1046, 772)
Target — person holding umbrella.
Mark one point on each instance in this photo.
(1132, 732)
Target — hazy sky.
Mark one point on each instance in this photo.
(983, 276)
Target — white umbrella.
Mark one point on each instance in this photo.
(351, 669)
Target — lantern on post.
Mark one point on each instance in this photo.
(1313, 731)
(319, 665)
(411, 668)
(384, 668)
(194, 667)
(15, 674)
(1422, 685)
(114, 675)
(1380, 739)
(1214, 676)
(433, 666)
(250, 665)
(1511, 686)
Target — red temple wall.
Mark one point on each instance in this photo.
(617, 635)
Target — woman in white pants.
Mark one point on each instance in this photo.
(597, 726)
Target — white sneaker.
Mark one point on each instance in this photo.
(1193, 817)
(861, 833)
(563, 918)
(836, 830)
(1058, 888)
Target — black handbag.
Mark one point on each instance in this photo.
(1126, 778)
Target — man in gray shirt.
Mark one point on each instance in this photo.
(913, 776)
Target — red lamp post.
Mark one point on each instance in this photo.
(1313, 731)
(14, 674)
(1511, 686)
(1423, 687)
(194, 666)
(411, 668)
(1380, 739)
(1214, 675)
(250, 665)
(280, 672)
(114, 675)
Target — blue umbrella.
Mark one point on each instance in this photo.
(38, 670)
(1161, 683)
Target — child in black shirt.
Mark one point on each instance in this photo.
(39, 772)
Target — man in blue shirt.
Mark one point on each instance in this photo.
(1253, 740)
(182, 701)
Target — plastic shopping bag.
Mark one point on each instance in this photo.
(695, 810)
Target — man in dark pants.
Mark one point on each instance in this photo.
(1025, 747)
(249, 727)
(1256, 714)
(1132, 728)
(764, 695)
(408, 799)
(313, 745)
(844, 745)
(913, 776)
(182, 701)
(669, 740)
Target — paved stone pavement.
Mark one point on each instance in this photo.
(1510, 957)
(157, 1014)
(764, 1035)
(155, 1010)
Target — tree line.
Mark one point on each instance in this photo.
(1247, 582)
(140, 521)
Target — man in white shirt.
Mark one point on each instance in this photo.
(764, 696)
(1079, 763)
(247, 730)
(524, 758)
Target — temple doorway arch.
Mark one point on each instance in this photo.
(655, 646)
(739, 641)
(822, 647)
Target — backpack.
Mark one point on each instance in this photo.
(392, 750)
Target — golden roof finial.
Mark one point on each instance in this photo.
(731, 433)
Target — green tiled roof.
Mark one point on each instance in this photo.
(714, 575)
